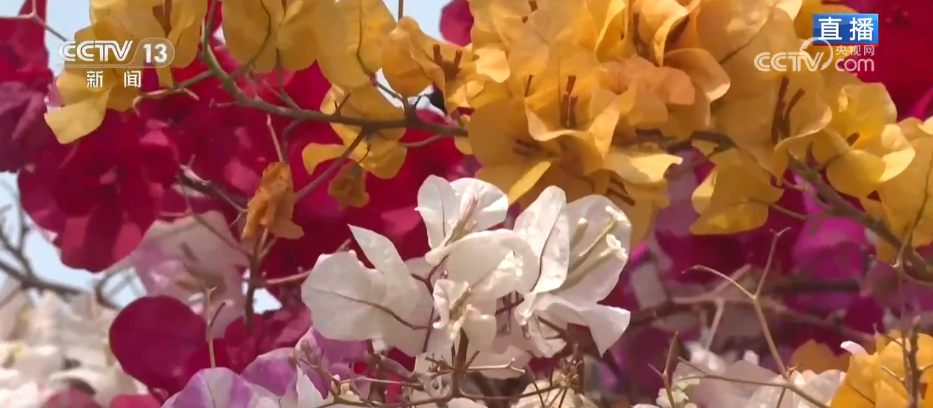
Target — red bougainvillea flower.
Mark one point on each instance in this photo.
(101, 194)
(159, 341)
(903, 30)
(23, 56)
(456, 22)
(23, 131)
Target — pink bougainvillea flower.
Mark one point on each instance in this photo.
(101, 194)
(71, 398)
(134, 401)
(220, 387)
(903, 28)
(23, 55)
(186, 257)
(456, 22)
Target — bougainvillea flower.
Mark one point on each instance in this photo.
(456, 22)
(161, 342)
(23, 55)
(101, 195)
(187, 257)
(23, 131)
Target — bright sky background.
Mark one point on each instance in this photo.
(68, 16)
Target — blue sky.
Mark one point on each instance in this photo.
(68, 16)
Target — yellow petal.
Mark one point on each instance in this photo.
(817, 357)
(74, 121)
(250, 31)
(355, 42)
(643, 167)
(405, 66)
(904, 197)
(494, 129)
(855, 173)
(365, 102)
(463, 145)
(316, 153)
(702, 69)
(515, 180)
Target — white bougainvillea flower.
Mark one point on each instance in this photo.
(580, 263)
(51, 337)
(476, 277)
(551, 394)
(15, 302)
(721, 393)
(29, 395)
(349, 301)
(186, 257)
(821, 387)
(451, 210)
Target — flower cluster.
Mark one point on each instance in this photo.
(56, 354)
(503, 294)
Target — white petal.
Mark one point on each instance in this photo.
(490, 205)
(480, 260)
(444, 205)
(15, 301)
(545, 226)
(544, 339)
(606, 323)
(599, 282)
(345, 298)
(854, 348)
(480, 328)
(380, 252)
(446, 294)
(464, 403)
(416, 341)
(823, 387)
(308, 394)
(439, 208)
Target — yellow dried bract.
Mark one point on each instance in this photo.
(273, 205)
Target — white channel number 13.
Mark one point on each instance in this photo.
(156, 53)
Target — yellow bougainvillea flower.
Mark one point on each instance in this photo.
(907, 199)
(178, 21)
(352, 49)
(273, 205)
(876, 380)
(861, 147)
(516, 163)
(764, 26)
(552, 32)
(780, 120)
(412, 61)
(735, 196)
(84, 107)
(349, 186)
(817, 357)
(265, 32)
(379, 152)
(661, 33)
(568, 101)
